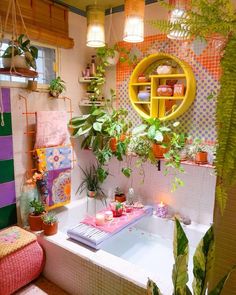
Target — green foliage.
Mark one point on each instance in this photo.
(38, 207)
(92, 177)
(226, 120)
(22, 46)
(57, 86)
(49, 218)
(203, 261)
(180, 268)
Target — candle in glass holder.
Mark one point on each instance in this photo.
(100, 219)
(162, 210)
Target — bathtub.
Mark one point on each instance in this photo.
(125, 261)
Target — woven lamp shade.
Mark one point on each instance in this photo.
(134, 26)
(95, 26)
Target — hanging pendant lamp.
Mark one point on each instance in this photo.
(177, 15)
(134, 26)
(95, 26)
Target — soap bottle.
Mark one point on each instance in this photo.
(93, 67)
(87, 71)
(130, 196)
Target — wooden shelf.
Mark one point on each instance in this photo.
(89, 103)
(168, 97)
(159, 107)
(142, 102)
(169, 76)
(86, 80)
(192, 163)
(141, 84)
(19, 72)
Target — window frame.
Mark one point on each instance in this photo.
(40, 86)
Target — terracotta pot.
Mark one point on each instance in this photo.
(32, 85)
(201, 158)
(120, 198)
(169, 104)
(113, 142)
(91, 194)
(35, 221)
(158, 150)
(50, 229)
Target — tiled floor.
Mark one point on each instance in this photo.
(41, 287)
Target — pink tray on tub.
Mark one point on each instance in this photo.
(87, 232)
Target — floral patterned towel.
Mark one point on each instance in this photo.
(49, 159)
(14, 238)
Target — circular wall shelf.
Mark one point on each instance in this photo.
(162, 107)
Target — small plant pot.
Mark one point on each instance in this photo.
(113, 142)
(112, 61)
(17, 61)
(158, 150)
(120, 198)
(201, 158)
(32, 85)
(54, 94)
(91, 194)
(50, 229)
(35, 221)
(117, 213)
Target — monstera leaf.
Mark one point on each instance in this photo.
(152, 288)
(203, 262)
(180, 268)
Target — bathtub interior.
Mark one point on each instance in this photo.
(148, 244)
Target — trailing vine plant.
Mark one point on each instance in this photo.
(204, 19)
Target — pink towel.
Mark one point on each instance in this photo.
(117, 222)
(51, 129)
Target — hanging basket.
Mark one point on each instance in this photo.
(17, 61)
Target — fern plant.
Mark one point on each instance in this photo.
(206, 18)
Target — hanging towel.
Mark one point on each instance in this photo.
(51, 129)
(55, 164)
(54, 158)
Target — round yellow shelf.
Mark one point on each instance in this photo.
(157, 106)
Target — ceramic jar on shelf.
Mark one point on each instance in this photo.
(164, 90)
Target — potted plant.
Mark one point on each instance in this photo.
(50, 224)
(197, 152)
(91, 184)
(119, 195)
(35, 217)
(32, 85)
(56, 87)
(108, 55)
(20, 54)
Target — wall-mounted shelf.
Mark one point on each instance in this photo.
(89, 103)
(86, 80)
(162, 107)
(19, 72)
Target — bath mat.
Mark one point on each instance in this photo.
(51, 129)
(94, 236)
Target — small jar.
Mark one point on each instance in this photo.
(164, 70)
(164, 90)
(144, 95)
(108, 215)
(142, 78)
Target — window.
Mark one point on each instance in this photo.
(45, 65)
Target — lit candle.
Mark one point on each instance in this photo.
(162, 210)
(100, 219)
(108, 215)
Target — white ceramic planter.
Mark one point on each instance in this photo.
(17, 61)
(112, 61)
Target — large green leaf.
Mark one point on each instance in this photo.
(82, 131)
(203, 262)
(219, 287)
(139, 129)
(158, 136)
(77, 120)
(97, 126)
(180, 268)
(152, 288)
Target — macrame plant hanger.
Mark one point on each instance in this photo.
(13, 6)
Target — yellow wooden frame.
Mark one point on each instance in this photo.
(155, 107)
